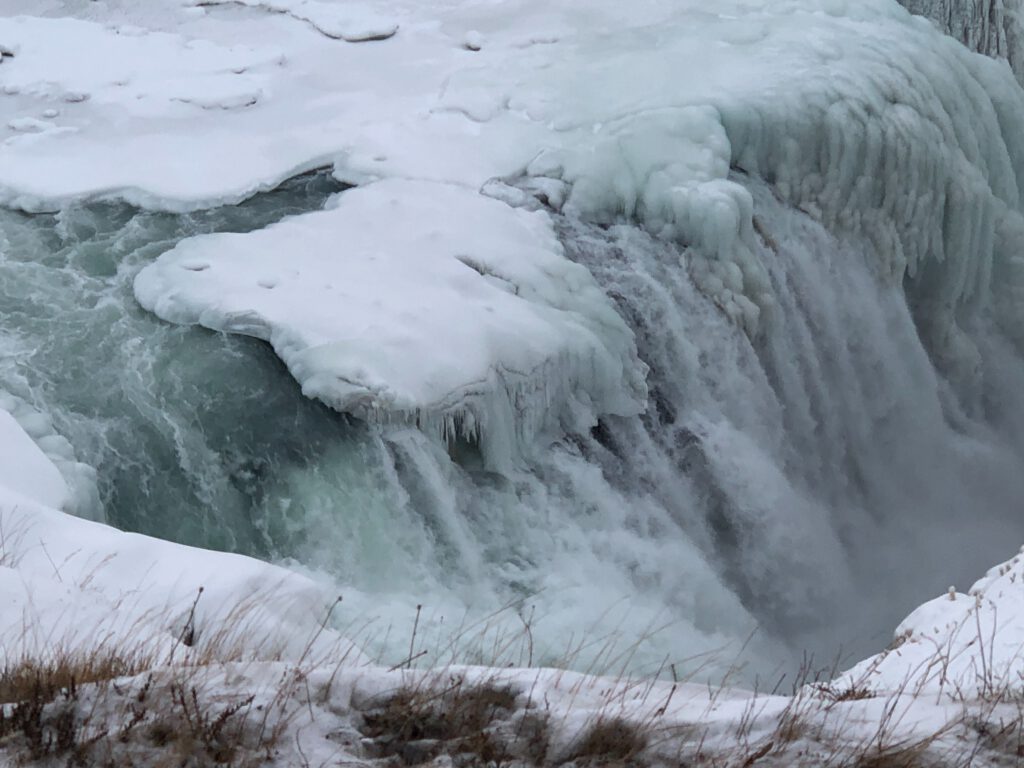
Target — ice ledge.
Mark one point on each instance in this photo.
(422, 303)
(39, 464)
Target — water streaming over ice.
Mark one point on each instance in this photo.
(816, 482)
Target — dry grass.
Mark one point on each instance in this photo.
(610, 741)
(419, 722)
(116, 706)
(31, 678)
(83, 711)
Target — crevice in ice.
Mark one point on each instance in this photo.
(239, 101)
(484, 271)
(327, 19)
(140, 197)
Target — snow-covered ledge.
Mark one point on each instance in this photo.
(72, 585)
(418, 302)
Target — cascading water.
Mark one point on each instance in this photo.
(815, 481)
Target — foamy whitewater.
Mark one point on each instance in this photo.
(691, 331)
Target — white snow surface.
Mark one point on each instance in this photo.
(38, 463)
(24, 468)
(957, 645)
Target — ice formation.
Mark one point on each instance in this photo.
(889, 153)
(39, 463)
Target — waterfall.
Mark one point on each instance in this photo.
(812, 480)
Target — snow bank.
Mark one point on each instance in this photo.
(40, 464)
(421, 302)
(70, 583)
(960, 645)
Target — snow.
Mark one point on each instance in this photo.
(958, 645)
(485, 329)
(39, 464)
(24, 468)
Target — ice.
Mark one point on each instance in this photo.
(24, 468)
(40, 464)
(484, 330)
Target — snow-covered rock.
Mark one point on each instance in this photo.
(958, 645)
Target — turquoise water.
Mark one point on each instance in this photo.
(183, 425)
